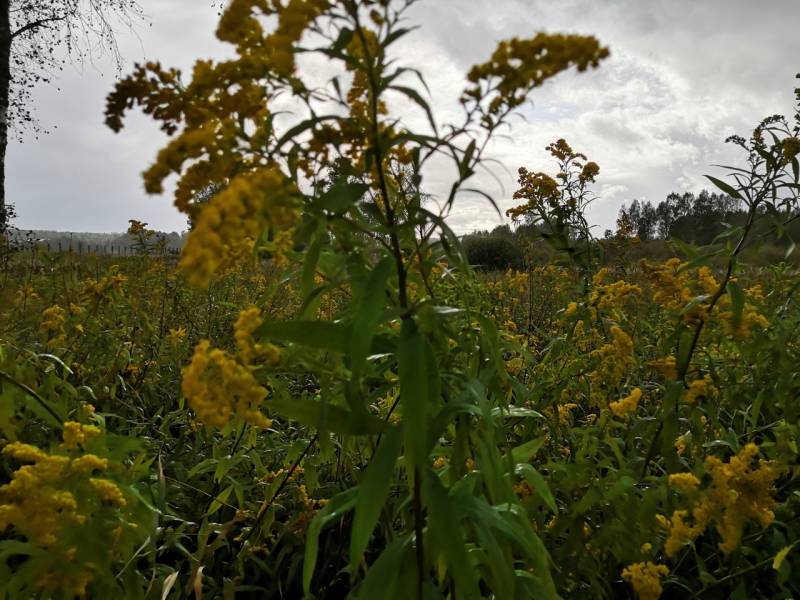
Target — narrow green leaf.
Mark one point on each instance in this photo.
(737, 303)
(446, 536)
(339, 505)
(325, 417)
(310, 267)
(781, 556)
(524, 452)
(419, 390)
(415, 97)
(220, 500)
(464, 166)
(381, 579)
(725, 187)
(539, 484)
(322, 335)
(370, 307)
(372, 493)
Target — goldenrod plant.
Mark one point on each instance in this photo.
(321, 399)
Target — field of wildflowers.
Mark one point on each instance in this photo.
(322, 399)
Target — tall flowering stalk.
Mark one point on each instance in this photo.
(337, 191)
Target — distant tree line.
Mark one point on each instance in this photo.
(66, 240)
(696, 219)
(693, 219)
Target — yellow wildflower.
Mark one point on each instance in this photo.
(240, 213)
(612, 362)
(88, 463)
(75, 434)
(738, 494)
(108, 491)
(645, 578)
(216, 386)
(249, 320)
(701, 388)
(684, 481)
(623, 408)
(176, 336)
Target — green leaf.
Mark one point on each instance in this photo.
(340, 504)
(512, 522)
(464, 166)
(322, 335)
(444, 530)
(370, 307)
(341, 196)
(725, 187)
(345, 36)
(516, 412)
(524, 452)
(381, 579)
(688, 251)
(781, 556)
(219, 501)
(700, 260)
(539, 485)
(325, 417)
(419, 390)
(415, 97)
(737, 303)
(310, 267)
(684, 353)
(372, 493)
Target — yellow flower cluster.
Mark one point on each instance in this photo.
(684, 481)
(176, 336)
(240, 26)
(108, 491)
(251, 204)
(217, 386)
(53, 320)
(672, 287)
(628, 405)
(112, 283)
(701, 388)
(645, 578)
(26, 293)
(611, 296)
(612, 362)
(750, 318)
(517, 66)
(790, 147)
(736, 495)
(45, 495)
(667, 366)
(678, 291)
(76, 435)
(539, 189)
(56, 491)
(249, 351)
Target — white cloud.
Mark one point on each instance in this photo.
(682, 76)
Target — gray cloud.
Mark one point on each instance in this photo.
(682, 76)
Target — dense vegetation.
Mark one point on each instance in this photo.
(322, 398)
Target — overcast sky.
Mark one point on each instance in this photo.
(683, 75)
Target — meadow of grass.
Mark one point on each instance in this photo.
(579, 384)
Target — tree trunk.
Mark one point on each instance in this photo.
(5, 85)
